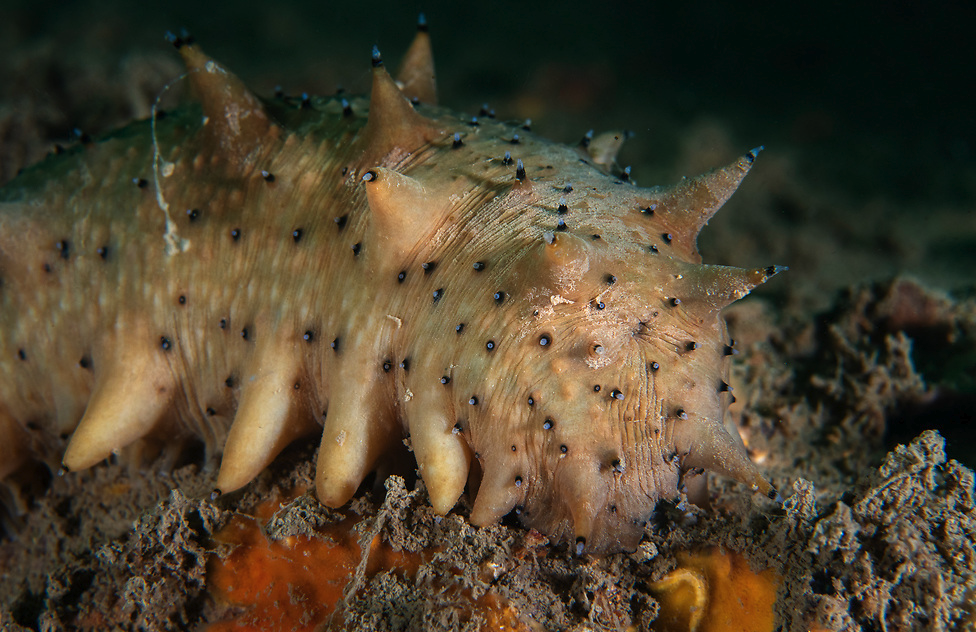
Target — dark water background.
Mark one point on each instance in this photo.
(875, 96)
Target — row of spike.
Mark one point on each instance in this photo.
(238, 121)
(394, 127)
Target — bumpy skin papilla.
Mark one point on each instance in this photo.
(251, 272)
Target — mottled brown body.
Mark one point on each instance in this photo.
(252, 272)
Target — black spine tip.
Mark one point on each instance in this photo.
(519, 170)
(268, 176)
(580, 545)
(370, 176)
(457, 142)
(422, 23)
(377, 58)
(176, 41)
(753, 153)
(215, 494)
(586, 140)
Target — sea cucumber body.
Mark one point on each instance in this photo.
(250, 273)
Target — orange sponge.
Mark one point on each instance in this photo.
(713, 591)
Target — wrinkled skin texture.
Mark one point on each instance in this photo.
(251, 272)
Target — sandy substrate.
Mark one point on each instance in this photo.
(855, 383)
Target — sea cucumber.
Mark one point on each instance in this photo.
(532, 324)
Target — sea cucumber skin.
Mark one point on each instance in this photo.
(250, 273)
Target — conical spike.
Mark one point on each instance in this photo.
(687, 206)
(359, 427)
(269, 417)
(235, 119)
(566, 253)
(442, 453)
(497, 496)
(579, 482)
(14, 441)
(603, 149)
(705, 443)
(720, 286)
(402, 212)
(416, 76)
(562, 259)
(394, 129)
(131, 394)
